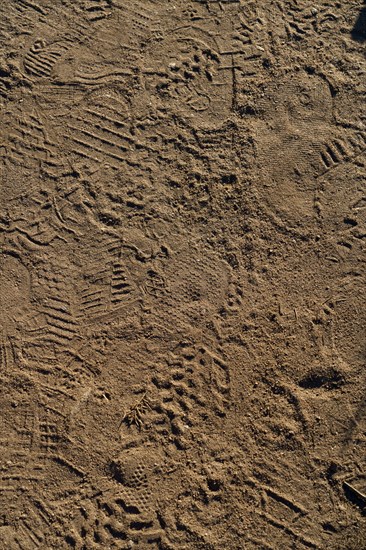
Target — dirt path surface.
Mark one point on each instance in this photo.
(182, 275)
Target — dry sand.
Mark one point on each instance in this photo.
(182, 275)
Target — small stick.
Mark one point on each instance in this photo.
(355, 491)
(134, 414)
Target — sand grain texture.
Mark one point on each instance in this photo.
(182, 275)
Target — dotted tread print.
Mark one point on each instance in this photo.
(196, 298)
(133, 469)
(129, 516)
(142, 18)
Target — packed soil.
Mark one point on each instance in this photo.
(182, 275)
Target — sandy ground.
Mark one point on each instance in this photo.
(182, 275)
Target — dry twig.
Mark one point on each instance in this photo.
(135, 413)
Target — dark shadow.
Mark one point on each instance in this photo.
(354, 496)
(359, 30)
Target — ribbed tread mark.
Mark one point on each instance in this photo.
(34, 525)
(33, 5)
(91, 297)
(30, 141)
(20, 476)
(105, 131)
(58, 305)
(342, 149)
(35, 135)
(362, 138)
(61, 325)
(109, 282)
(295, 28)
(100, 125)
(25, 538)
(40, 64)
(283, 499)
(279, 497)
(92, 303)
(81, 153)
(34, 534)
(34, 124)
(333, 154)
(97, 137)
(60, 317)
(120, 286)
(53, 392)
(64, 462)
(25, 150)
(289, 530)
(117, 122)
(6, 354)
(56, 336)
(36, 66)
(44, 513)
(114, 247)
(3, 89)
(19, 9)
(91, 147)
(99, 276)
(339, 151)
(147, 535)
(96, 9)
(28, 145)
